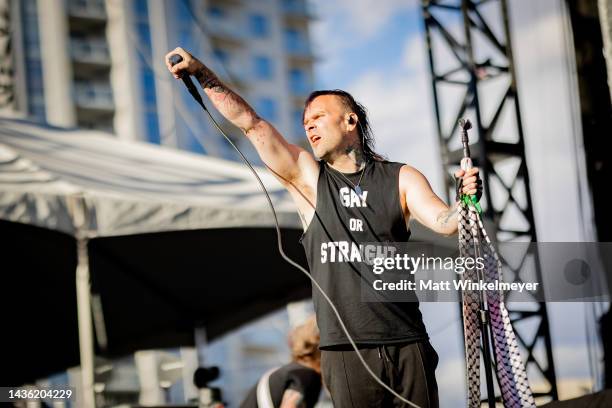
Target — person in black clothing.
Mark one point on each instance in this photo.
(347, 195)
(297, 384)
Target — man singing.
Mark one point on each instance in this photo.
(348, 193)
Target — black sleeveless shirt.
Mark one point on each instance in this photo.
(346, 217)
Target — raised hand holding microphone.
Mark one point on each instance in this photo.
(187, 64)
(174, 59)
(229, 104)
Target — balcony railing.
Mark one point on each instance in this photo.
(300, 49)
(225, 29)
(94, 96)
(300, 87)
(92, 9)
(89, 51)
(297, 9)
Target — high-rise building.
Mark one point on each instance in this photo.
(99, 64)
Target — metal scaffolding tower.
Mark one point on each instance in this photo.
(472, 70)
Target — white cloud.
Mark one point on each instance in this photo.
(399, 104)
(548, 107)
(372, 16)
(362, 18)
(414, 57)
(344, 24)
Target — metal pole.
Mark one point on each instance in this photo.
(86, 338)
(77, 208)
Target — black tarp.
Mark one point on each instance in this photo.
(154, 290)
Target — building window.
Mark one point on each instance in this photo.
(186, 139)
(34, 72)
(262, 67)
(37, 110)
(31, 34)
(30, 7)
(296, 6)
(295, 41)
(298, 123)
(184, 12)
(147, 76)
(148, 82)
(141, 8)
(215, 12)
(35, 91)
(258, 25)
(144, 33)
(292, 38)
(298, 82)
(221, 55)
(152, 123)
(266, 107)
(185, 38)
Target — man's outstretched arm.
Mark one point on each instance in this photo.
(426, 207)
(289, 162)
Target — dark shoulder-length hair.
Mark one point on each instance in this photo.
(363, 124)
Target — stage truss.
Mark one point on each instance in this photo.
(473, 76)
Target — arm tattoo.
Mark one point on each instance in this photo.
(208, 79)
(445, 216)
(229, 103)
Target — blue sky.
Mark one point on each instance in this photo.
(375, 50)
(341, 65)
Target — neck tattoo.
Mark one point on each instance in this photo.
(354, 151)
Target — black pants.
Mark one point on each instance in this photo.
(409, 369)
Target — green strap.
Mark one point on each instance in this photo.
(471, 201)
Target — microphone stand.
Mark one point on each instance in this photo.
(484, 322)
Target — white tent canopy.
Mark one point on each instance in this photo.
(127, 187)
(153, 224)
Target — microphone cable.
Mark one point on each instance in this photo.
(175, 59)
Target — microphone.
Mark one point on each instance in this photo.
(175, 59)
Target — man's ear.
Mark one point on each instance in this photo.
(351, 119)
